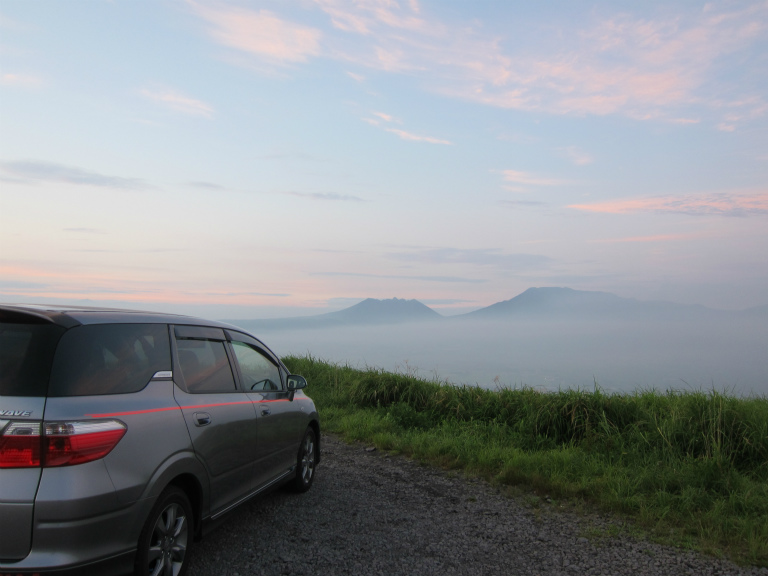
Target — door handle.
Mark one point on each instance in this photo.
(266, 411)
(202, 419)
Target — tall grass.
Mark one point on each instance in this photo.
(690, 466)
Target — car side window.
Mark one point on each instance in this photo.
(205, 366)
(109, 359)
(258, 371)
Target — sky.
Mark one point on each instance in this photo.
(256, 159)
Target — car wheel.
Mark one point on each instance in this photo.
(166, 539)
(305, 463)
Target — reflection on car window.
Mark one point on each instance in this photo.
(258, 371)
(205, 366)
(109, 359)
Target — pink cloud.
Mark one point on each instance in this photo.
(385, 117)
(722, 204)
(519, 177)
(23, 80)
(365, 17)
(179, 102)
(260, 33)
(414, 137)
(619, 64)
(577, 156)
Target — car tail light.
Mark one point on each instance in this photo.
(20, 445)
(61, 444)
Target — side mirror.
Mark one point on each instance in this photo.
(295, 382)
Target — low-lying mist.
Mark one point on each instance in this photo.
(728, 354)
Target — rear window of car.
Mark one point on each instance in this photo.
(26, 355)
(101, 359)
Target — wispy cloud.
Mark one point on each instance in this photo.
(325, 196)
(644, 68)
(385, 117)
(382, 119)
(645, 239)
(518, 177)
(20, 80)
(179, 102)
(447, 279)
(417, 138)
(36, 171)
(717, 204)
(477, 257)
(576, 155)
(260, 33)
(522, 203)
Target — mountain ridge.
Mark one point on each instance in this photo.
(535, 302)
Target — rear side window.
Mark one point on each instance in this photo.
(109, 359)
(26, 355)
(205, 366)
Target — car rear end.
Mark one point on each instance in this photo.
(88, 425)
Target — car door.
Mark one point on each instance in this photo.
(277, 416)
(220, 418)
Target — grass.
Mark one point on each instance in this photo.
(691, 468)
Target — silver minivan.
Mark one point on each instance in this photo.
(124, 435)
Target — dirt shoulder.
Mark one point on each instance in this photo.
(369, 513)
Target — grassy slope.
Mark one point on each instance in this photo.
(690, 468)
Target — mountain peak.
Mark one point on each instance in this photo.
(385, 311)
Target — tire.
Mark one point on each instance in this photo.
(166, 539)
(305, 462)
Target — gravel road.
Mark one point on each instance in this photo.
(369, 513)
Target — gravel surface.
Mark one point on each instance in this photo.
(369, 513)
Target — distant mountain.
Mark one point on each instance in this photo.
(394, 310)
(555, 302)
(369, 311)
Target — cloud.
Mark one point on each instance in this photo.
(446, 279)
(646, 239)
(277, 295)
(33, 171)
(385, 117)
(576, 155)
(322, 196)
(179, 102)
(382, 117)
(523, 203)
(716, 204)
(416, 138)
(21, 80)
(477, 256)
(368, 17)
(519, 177)
(260, 33)
(612, 63)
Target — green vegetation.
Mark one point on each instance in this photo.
(691, 468)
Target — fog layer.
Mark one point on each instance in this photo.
(728, 354)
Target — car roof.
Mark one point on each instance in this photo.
(68, 315)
